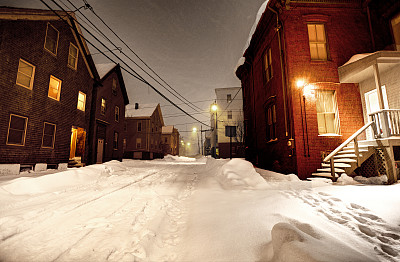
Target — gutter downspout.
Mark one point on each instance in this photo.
(278, 28)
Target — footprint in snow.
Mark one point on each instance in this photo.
(355, 206)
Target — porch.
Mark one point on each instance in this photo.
(373, 150)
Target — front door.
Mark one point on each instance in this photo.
(372, 105)
(74, 133)
(100, 148)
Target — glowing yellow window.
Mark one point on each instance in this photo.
(103, 106)
(81, 101)
(54, 88)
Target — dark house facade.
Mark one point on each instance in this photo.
(296, 109)
(111, 99)
(46, 83)
(170, 140)
(143, 129)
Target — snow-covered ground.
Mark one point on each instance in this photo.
(182, 209)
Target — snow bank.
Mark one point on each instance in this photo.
(239, 174)
(274, 176)
(179, 158)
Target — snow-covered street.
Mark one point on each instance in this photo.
(181, 209)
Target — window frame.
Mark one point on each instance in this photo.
(59, 90)
(75, 67)
(45, 39)
(141, 126)
(84, 102)
(116, 117)
(270, 121)
(103, 109)
(54, 135)
(138, 143)
(32, 77)
(25, 129)
(229, 98)
(115, 140)
(316, 42)
(229, 114)
(336, 119)
(268, 71)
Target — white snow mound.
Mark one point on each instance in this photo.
(239, 174)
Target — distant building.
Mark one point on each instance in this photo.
(170, 140)
(144, 124)
(228, 116)
(304, 94)
(46, 83)
(109, 111)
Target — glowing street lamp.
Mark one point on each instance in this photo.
(194, 129)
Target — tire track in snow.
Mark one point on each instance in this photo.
(372, 228)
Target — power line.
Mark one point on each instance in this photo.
(133, 73)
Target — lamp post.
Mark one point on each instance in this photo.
(214, 108)
(198, 143)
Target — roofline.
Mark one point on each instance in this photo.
(118, 71)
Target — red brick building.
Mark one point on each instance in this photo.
(144, 124)
(46, 83)
(296, 111)
(110, 102)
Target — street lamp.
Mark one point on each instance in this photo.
(214, 108)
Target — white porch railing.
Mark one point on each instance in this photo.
(387, 122)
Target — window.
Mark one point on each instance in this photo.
(73, 56)
(124, 144)
(117, 114)
(25, 74)
(115, 144)
(114, 86)
(51, 41)
(396, 31)
(317, 40)
(139, 126)
(81, 101)
(228, 98)
(268, 65)
(229, 114)
(54, 88)
(138, 143)
(270, 117)
(17, 130)
(328, 121)
(103, 106)
(49, 132)
(166, 140)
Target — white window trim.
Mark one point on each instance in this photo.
(54, 135)
(45, 39)
(33, 75)
(84, 102)
(75, 67)
(8, 130)
(59, 90)
(336, 113)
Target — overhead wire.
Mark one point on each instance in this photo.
(131, 71)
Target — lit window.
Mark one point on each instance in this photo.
(327, 115)
(81, 101)
(268, 65)
(317, 40)
(54, 88)
(117, 114)
(73, 56)
(114, 86)
(138, 142)
(228, 98)
(51, 41)
(25, 74)
(139, 126)
(49, 131)
(115, 144)
(229, 114)
(270, 112)
(17, 130)
(103, 106)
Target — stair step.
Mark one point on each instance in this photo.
(351, 151)
(344, 160)
(346, 156)
(342, 165)
(328, 175)
(338, 170)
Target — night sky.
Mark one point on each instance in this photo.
(194, 45)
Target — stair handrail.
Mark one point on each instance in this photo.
(345, 143)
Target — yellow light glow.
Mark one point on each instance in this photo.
(308, 90)
(214, 107)
(194, 129)
(300, 83)
(188, 144)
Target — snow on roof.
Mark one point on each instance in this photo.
(167, 129)
(144, 110)
(357, 57)
(103, 69)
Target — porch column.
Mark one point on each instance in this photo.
(383, 116)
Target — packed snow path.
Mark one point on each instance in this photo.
(181, 209)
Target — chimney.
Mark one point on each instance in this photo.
(136, 105)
